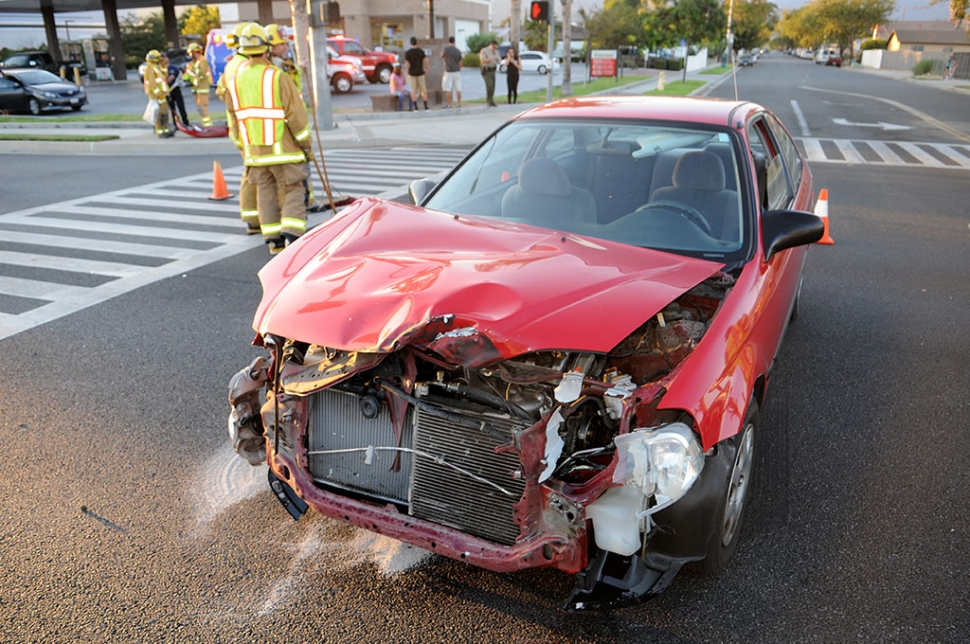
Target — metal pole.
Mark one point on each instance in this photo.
(549, 50)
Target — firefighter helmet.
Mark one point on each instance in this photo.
(274, 35)
(153, 56)
(194, 47)
(232, 39)
(253, 40)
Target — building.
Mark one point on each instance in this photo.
(389, 24)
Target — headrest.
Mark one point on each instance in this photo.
(542, 176)
(610, 147)
(699, 170)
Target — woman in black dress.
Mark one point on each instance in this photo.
(512, 67)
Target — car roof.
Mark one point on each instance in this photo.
(710, 111)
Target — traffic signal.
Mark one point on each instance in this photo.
(539, 11)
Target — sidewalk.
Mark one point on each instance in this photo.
(463, 126)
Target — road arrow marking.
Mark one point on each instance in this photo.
(881, 125)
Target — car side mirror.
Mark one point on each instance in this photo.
(419, 189)
(784, 229)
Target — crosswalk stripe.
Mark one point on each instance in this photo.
(79, 249)
(889, 153)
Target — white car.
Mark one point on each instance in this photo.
(344, 72)
(534, 61)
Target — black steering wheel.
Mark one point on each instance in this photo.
(687, 212)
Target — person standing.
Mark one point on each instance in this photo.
(157, 90)
(513, 65)
(199, 76)
(452, 80)
(248, 210)
(399, 89)
(417, 65)
(489, 59)
(269, 123)
(175, 99)
(951, 67)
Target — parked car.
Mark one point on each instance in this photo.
(747, 60)
(533, 61)
(43, 60)
(556, 359)
(828, 57)
(344, 71)
(377, 65)
(37, 90)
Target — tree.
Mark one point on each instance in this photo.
(752, 23)
(536, 35)
(958, 10)
(477, 42)
(692, 21)
(617, 24)
(846, 20)
(199, 20)
(139, 36)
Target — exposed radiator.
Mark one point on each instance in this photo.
(459, 492)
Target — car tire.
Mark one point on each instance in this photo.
(737, 487)
(342, 83)
(33, 106)
(798, 298)
(503, 68)
(384, 74)
(76, 108)
(542, 69)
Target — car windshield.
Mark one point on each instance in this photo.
(38, 77)
(655, 185)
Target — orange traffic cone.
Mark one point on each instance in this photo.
(822, 210)
(219, 190)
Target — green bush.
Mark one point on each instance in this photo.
(922, 67)
(873, 43)
(657, 63)
(476, 42)
(471, 60)
(675, 65)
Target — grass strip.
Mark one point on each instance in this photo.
(85, 138)
(717, 71)
(81, 118)
(677, 88)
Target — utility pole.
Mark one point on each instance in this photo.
(567, 48)
(430, 18)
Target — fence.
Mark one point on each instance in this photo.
(883, 59)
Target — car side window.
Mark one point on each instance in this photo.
(788, 150)
(352, 47)
(7, 83)
(779, 190)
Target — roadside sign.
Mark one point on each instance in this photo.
(602, 63)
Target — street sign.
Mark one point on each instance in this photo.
(602, 63)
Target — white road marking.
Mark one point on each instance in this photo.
(802, 123)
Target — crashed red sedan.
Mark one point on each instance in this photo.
(557, 358)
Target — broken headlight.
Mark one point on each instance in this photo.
(663, 462)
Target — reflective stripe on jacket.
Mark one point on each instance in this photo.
(155, 85)
(199, 76)
(227, 75)
(268, 120)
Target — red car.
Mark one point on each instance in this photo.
(377, 65)
(557, 359)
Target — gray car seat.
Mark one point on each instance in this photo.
(699, 182)
(545, 196)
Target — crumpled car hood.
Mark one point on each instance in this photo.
(365, 280)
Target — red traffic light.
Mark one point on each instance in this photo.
(539, 11)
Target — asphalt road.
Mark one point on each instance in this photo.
(126, 518)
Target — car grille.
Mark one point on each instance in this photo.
(451, 478)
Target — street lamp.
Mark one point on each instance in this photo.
(67, 26)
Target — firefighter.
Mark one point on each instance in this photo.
(248, 210)
(199, 76)
(269, 122)
(280, 56)
(157, 90)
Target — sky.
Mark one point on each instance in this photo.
(20, 36)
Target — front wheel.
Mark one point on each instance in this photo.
(384, 74)
(76, 108)
(342, 84)
(33, 105)
(740, 450)
(542, 69)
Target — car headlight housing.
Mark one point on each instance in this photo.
(663, 462)
(48, 94)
